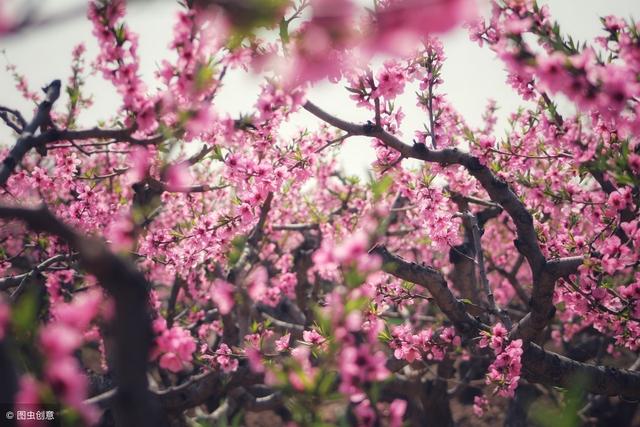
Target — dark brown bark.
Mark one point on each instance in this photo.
(541, 366)
(8, 376)
(434, 397)
(435, 283)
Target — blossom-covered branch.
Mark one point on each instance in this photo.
(26, 140)
(539, 365)
(134, 405)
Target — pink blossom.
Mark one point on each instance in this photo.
(403, 20)
(120, 233)
(227, 362)
(634, 163)
(319, 41)
(58, 340)
(282, 343)
(486, 142)
(253, 340)
(27, 398)
(504, 372)
(552, 73)
(257, 283)
(397, 409)
(28, 391)
(79, 313)
(360, 366)
(178, 177)
(495, 339)
(67, 381)
(222, 294)
(200, 122)
(391, 80)
(352, 248)
(176, 347)
(480, 404)
(140, 159)
(617, 202)
(313, 337)
(365, 414)
(449, 335)
(255, 359)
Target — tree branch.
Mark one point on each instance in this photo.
(161, 186)
(482, 273)
(26, 141)
(435, 283)
(541, 303)
(11, 281)
(498, 190)
(544, 278)
(539, 365)
(564, 267)
(13, 119)
(545, 367)
(29, 140)
(134, 404)
(120, 135)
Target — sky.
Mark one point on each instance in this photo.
(472, 75)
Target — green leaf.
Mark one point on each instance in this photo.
(356, 304)
(284, 30)
(120, 34)
(24, 316)
(217, 153)
(237, 246)
(381, 186)
(326, 383)
(353, 278)
(204, 77)
(323, 323)
(74, 94)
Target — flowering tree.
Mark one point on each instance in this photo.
(174, 265)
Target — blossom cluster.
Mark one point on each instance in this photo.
(504, 372)
(262, 254)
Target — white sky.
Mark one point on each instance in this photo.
(472, 75)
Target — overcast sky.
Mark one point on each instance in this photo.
(472, 75)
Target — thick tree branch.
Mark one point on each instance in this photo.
(241, 398)
(160, 187)
(119, 135)
(544, 277)
(545, 367)
(463, 274)
(8, 374)
(561, 268)
(13, 119)
(178, 283)
(539, 365)
(258, 231)
(498, 190)
(193, 392)
(541, 303)
(435, 283)
(134, 405)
